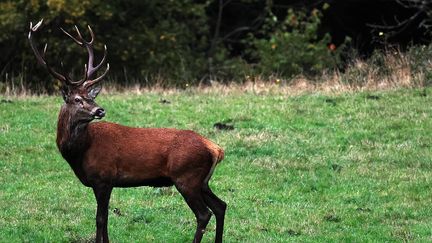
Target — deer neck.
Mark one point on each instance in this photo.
(72, 136)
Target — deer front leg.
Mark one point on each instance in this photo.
(102, 194)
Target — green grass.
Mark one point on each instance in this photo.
(310, 168)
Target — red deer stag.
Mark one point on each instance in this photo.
(104, 155)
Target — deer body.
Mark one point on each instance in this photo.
(126, 156)
(105, 155)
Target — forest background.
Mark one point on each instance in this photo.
(185, 43)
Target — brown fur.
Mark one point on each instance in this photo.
(126, 156)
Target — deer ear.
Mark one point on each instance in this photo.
(65, 93)
(94, 91)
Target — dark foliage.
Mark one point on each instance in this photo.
(185, 42)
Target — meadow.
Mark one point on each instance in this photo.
(311, 167)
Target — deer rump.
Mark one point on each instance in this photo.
(129, 157)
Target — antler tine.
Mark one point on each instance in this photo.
(35, 28)
(79, 34)
(81, 81)
(91, 34)
(94, 69)
(44, 50)
(80, 43)
(94, 81)
(89, 46)
(40, 58)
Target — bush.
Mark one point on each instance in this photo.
(421, 63)
(293, 46)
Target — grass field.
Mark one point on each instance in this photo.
(308, 168)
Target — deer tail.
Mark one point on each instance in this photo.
(218, 155)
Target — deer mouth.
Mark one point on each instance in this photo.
(98, 117)
(99, 113)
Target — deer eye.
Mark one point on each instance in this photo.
(77, 100)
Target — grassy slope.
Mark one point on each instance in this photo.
(304, 168)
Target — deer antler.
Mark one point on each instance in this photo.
(41, 58)
(90, 69)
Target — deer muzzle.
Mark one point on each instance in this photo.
(98, 113)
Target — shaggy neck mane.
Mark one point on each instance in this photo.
(72, 136)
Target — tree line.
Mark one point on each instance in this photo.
(169, 43)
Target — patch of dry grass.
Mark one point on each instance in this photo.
(390, 70)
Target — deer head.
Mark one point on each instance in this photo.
(79, 96)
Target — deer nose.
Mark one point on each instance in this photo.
(99, 113)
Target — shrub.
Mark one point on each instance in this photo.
(421, 63)
(293, 46)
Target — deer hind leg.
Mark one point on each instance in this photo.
(218, 207)
(195, 200)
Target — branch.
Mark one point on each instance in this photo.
(398, 25)
(239, 29)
